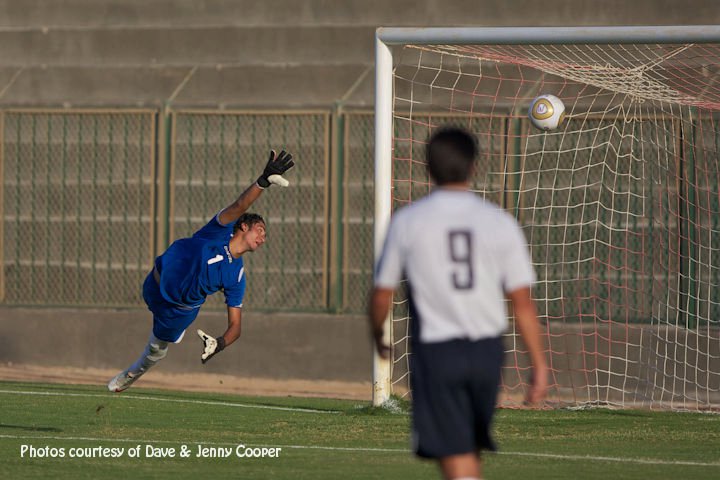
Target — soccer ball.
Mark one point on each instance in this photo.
(547, 112)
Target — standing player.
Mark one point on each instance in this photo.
(461, 256)
(193, 268)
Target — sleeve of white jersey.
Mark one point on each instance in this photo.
(389, 267)
(518, 269)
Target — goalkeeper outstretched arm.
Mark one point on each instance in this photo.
(273, 173)
(213, 346)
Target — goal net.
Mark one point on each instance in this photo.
(620, 205)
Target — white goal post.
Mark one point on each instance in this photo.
(620, 204)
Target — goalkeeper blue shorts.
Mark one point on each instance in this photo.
(454, 388)
(169, 320)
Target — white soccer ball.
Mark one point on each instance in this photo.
(547, 112)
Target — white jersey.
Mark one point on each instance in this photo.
(460, 255)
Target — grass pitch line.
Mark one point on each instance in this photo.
(169, 400)
(641, 461)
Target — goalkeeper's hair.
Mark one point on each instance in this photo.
(450, 155)
(248, 219)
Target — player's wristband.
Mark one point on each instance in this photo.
(220, 344)
(262, 182)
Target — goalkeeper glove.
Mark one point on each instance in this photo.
(277, 165)
(211, 345)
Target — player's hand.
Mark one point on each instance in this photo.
(538, 388)
(276, 167)
(211, 346)
(383, 349)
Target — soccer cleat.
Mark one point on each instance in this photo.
(122, 381)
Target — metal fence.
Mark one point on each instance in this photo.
(89, 197)
(77, 204)
(411, 182)
(215, 156)
(358, 209)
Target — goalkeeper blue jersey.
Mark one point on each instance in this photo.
(193, 268)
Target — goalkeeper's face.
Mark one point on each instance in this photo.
(255, 236)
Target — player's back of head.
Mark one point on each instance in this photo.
(450, 155)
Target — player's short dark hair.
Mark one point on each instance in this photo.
(450, 155)
(248, 219)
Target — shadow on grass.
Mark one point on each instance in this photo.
(30, 429)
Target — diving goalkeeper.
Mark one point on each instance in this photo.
(193, 268)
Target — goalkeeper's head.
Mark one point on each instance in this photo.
(249, 231)
(450, 156)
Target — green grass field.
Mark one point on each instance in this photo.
(324, 438)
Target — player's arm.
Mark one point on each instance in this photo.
(234, 325)
(388, 272)
(276, 166)
(378, 310)
(213, 346)
(529, 327)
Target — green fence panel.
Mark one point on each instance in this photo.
(358, 210)
(77, 207)
(410, 181)
(216, 155)
(706, 246)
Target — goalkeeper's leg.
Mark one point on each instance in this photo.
(154, 351)
(169, 322)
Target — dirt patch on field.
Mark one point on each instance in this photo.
(191, 382)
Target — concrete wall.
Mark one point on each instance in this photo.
(633, 365)
(278, 346)
(241, 54)
(103, 13)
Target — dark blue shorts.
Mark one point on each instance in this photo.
(169, 320)
(454, 391)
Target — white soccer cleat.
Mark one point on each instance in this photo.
(122, 381)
